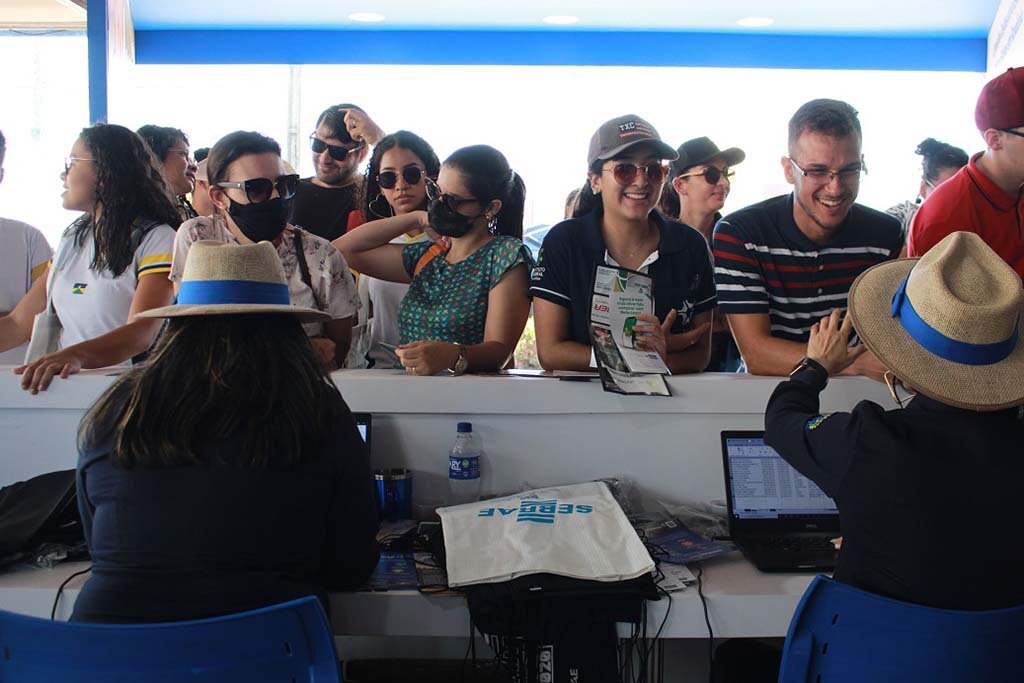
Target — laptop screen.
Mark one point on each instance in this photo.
(761, 485)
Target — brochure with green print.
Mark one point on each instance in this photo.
(619, 297)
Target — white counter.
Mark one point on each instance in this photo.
(536, 431)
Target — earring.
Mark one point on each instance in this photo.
(373, 208)
(492, 224)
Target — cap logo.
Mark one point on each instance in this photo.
(631, 129)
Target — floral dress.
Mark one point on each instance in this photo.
(448, 301)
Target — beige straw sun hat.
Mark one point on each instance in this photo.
(947, 324)
(231, 279)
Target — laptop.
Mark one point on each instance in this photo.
(779, 518)
(363, 423)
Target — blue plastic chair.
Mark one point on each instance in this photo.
(290, 642)
(841, 634)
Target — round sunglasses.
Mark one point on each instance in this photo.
(434, 194)
(336, 152)
(712, 174)
(259, 190)
(625, 173)
(410, 174)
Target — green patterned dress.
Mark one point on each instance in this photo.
(448, 301)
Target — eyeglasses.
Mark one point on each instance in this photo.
(625, 173)
(712, 174)
(259, 190)
(410, 174)
(337, 152)
(69, 161)
(434, 194)
(891, 382)
(1013, 132)
(823, 176)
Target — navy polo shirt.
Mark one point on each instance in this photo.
(573, 249)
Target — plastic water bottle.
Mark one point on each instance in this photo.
(464, 462)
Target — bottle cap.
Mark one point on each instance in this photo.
(465, 427)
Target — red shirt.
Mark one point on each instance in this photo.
(970, 201)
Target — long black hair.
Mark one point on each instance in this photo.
(587, 200)
(250, 379)
(130, 186)
(939, 155)
(160, 139)
(490, 177)
(374, 204)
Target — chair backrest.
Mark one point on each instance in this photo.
(842, 634)
(290, 642)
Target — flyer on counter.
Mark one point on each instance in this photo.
(619, 297)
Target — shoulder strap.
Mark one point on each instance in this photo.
(429, 255)
(300, 256)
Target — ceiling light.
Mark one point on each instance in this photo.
(561, 19)
(367, 17)
(755, 22)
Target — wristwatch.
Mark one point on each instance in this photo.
(461, 363)
(813, 365)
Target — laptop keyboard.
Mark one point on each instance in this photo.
(800, 543)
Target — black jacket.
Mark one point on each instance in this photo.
(930, 496)
(195, 541)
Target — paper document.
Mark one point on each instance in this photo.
(619, 297)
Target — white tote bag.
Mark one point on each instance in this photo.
(577, 531)
(46, 327)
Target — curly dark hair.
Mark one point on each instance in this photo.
(160, 139)
(130, 187)
(371, 198)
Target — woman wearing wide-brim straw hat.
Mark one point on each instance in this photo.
(928, 493)
(226, 472)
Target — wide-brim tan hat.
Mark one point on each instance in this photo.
(233, 279)
(947, 324)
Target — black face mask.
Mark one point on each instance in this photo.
(263, 221)
(446, 222)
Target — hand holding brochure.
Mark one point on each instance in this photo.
(619, 297)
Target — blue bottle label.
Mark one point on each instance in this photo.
(463, 467)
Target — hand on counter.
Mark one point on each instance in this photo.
(37, 375)
(427, 357)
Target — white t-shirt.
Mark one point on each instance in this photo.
(90, 303)
(385, 298)
(328, 272)
(24, 255)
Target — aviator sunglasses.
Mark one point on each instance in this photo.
(259, 190)
(410, 174)
(712, 174)
(336, 152)
(625, 173)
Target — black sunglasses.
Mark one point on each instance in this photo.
(434, 194)
(337, 152)
(712, 174)
(259, 190)
(410, 174)
(625, 173)
(1012, 132)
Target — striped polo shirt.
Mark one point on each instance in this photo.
(764, 264)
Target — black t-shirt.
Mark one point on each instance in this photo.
(928, 496)
(323, 211)
(572, 251)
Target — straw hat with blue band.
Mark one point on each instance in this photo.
(947, 324)
(233, 279)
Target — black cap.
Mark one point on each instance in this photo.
(702, 150)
